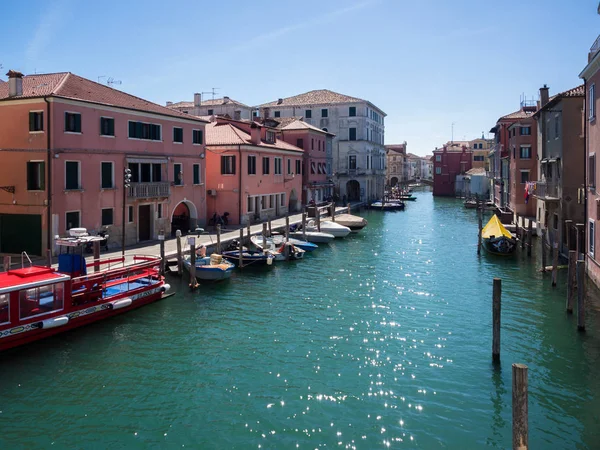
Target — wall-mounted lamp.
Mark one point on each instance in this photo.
(56, 155)
(201, 155)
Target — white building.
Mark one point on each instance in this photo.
(358, 146)
(219, 106)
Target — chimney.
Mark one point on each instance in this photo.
(279, 101)
(544, 95)
(15, 83)
(225, 99)
(197, 100)
(169, 104)
(255, 133)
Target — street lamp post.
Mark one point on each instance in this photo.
(126, 184)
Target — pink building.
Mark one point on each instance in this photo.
(447, 164)
(66, 142)
(316, 184)
(250, 173)
(522, 146)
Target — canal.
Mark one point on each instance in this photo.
(379, 340)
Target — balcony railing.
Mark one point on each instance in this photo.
(546, 190)
(149, 190)
(594, 48)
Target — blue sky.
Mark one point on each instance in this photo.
(426, 63)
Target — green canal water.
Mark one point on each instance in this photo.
(379, 340)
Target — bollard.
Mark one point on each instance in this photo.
(529, 237)
(304, 226)
(554, 263)
(193, 281)
(96, 256)
(480, 214)
(568, 226)
(287, 228)
(580, 295)
(218, 239)
(571, 282)
(161, 241)
(6, 263)
(179, 255)
(520, 425)
(241, 244)
(496, 310)
(543, 240)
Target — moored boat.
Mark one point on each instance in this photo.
(329, 227)
(317, 237)
(249, 257)
(497, 239)
(211, 268)
(470, 204)
(280, 252)
(355, 223)
(392, 205)
(37, 301)
(279, 239)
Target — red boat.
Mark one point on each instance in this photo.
(38, 301)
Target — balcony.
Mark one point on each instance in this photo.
(546, 190)
(149, 190)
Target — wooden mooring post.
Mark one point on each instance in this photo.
(517, 232)
(520, 406)
(249, 233)
(543, 249)
(318, 213)
(270, 228)
(96, 256)
(568, 227)
(193, 280)
(218, 249)
(496, 312)
(529, 237)
(241, 248)
(554, 263)
(349, 208)
(287, 228)
(581, 295)
(480, 214)
(571, 282)
(161, 242)
(179, 254)
(332, 211)
(579, 227)
(49, 255)
(6, 263)
(304, 226)
(264, 233)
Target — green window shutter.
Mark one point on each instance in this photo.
(233, 164)
(223, 163)
(201, 133)
(42, 175)
(131, 129)
(111, 127)
(139, 126)
(78, 123)
(31, 121)
(196, 174)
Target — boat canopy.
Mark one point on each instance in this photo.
(494, 228)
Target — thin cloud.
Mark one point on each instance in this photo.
(50, 22)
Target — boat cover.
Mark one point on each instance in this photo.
(495, 228)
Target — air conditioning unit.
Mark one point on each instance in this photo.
(212, 192)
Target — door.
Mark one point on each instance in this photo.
(144, 222)
(21, 232)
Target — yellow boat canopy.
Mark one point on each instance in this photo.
(495, 228)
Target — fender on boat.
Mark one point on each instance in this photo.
(55, 322)
(166, 287)
(122, 303)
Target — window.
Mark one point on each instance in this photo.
(4, 308)
(525, 131)
(289, 166)
(313, 169)
(36, 121)
(130, 214)
(438, 170)
(72, 180)
(478, 158)
(159, 210)
(197, 137)
(266, 164)
(41, 300)
(300, 143)
(107, 177)
(352, 162)
(251, 165)
(298, 167)
(73, 122)
(278, 169)
(556, 126)
(277, 114)
(312, 144)
(178, 135)
(177, 174)
(73, 219)
(147, 131)
(352, 111)
(270, 137)
(525, 152)
(107, 126)
(324, 112)
(592, 102)
(228, 165)
(308, 114)
(352, 134)
(36, 175)
(196, 170)
(107, 216)
(156, 172)
(282, 200)
(210, 112)
(146, 172)
(250, 201)
(592, 170)
(438, 158)
(591, 238)
(524, 176)
(319, 145)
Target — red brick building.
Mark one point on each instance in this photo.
(522, 145)
(448, 162)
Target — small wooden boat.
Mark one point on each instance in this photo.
(470, 204)
(279, 239)
(316, 237)
(211, 268)
(392, 205)
(497, 239)
(249, 257)
(410, 198)
(280, 252)
(329, 227)
(355, 223)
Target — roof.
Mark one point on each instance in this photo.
(578, 91)
(226, 133)
(297, 124)
(213, 102)
(520, 114)
(476, 171)
(70, 86)
(316, 97)
(16, 279)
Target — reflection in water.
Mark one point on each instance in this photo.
(496, 397)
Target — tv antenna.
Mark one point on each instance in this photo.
(213, 92)
(110, 80)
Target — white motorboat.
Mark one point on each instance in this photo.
(279, 239)
(317, 237)
(329, 227)
(278, 252)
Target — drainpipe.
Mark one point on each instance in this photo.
(585, 174)
(49, 180)
(240, 187)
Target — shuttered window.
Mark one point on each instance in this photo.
(107, 126)
(73, 122)
(36, 176)
(196, 173)
(197, 136)
(107, 175)
(228, 165)
(72, 175)
(36, 121)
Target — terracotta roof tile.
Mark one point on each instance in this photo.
(317, 97)
(215, 102)
(228, 134)
(296, 124)
(520, 114)
(71, 86)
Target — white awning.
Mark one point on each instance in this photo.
(147, 160)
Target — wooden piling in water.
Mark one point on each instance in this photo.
(304, 226)
(520, 413)
(287, 228)
(568, 227)
(517, 234)
(349, 208)
(571, 283)
(581, 295)
(318, 213)
(578, 231)
(270, 228)
(529, 237)
(554, 263)
(480, 214)
(332, 211)
(496, 311)
(219, 239)
(179, 255)
(49, 254)
(264, 233)
(249, 233)
(6, 263)
(193, 281)
(543, 240)
(161, 242)
(240, 248)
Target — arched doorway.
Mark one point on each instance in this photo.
(293, 203)
(394, 181)
(353, 191)
(184, 217)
